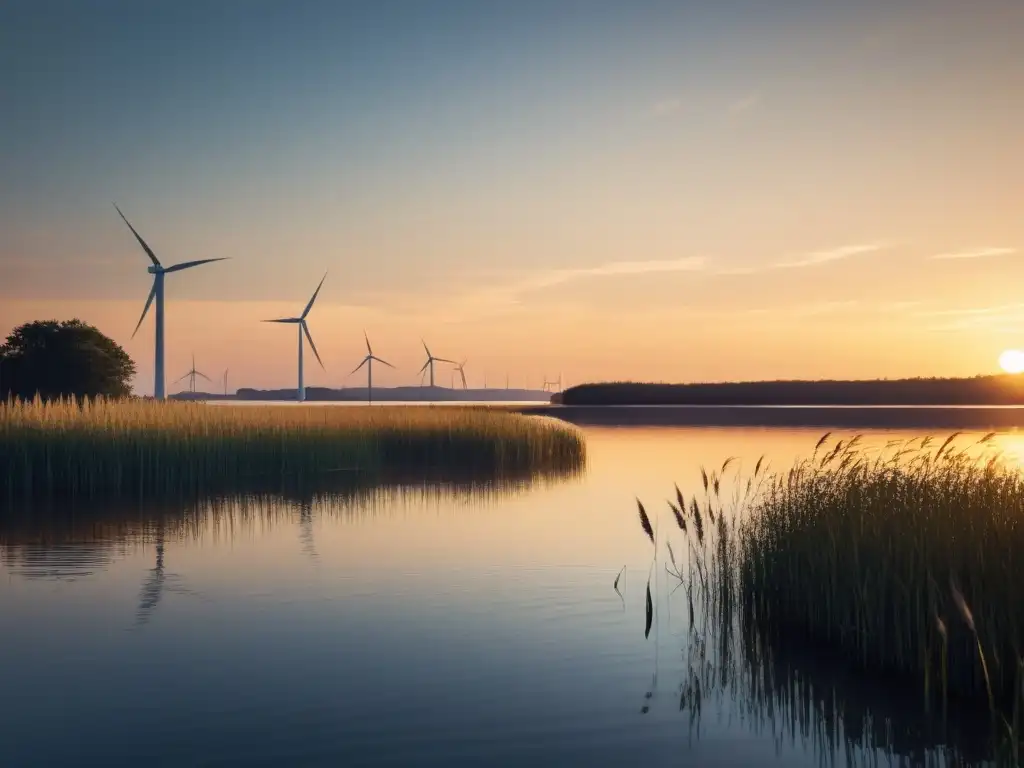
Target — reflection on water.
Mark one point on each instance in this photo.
(420, 621)
(806, 698)
(68, 540)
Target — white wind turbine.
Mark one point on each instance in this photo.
(368, 362)
(303, 329)
(461, 368)
(191, 376)
(430, 362)
(158, 270)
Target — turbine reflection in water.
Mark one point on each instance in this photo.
(69, 540)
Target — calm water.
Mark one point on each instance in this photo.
(446, 625)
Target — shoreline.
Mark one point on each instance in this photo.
(928, 417)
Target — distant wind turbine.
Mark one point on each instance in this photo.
(429, 365)
(158, 270)
(191, 376)
(303, 329)
(368, 362)
(461, 368)
(226, 381)
(553, 383)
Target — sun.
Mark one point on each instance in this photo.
(1012, 361)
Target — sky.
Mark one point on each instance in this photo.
(658, 191)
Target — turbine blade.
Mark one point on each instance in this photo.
(199, 373)
(426, 348)
(463, 374)
(305, 329)
(182, 378)
(389, 365)
(190, 264)
(145, 309)
(310, 305)
(146, 248)
(283, 320)
(444, 360)
(360, 365)
(368, 349)
(421, 370)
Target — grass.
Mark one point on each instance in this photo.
(146, 449)
(904, 562)
(907, 560)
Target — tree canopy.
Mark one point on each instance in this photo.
(63, 359)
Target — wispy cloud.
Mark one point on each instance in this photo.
(554, 277)
(835, 254)
(994, 309)
(977, 253)
(665, 107)
(1008, 317)
(745, 104)
(730, 271)
(798, 310)
(500, 298)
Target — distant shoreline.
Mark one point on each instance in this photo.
(380, 394)
(927, 418)
(975, 391)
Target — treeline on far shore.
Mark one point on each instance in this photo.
(978, 390)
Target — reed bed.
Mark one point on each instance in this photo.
(907, 560)
(150, 449)
(903, 561)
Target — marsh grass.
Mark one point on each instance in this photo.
(156, 449)
(903, 562)
(907, 559)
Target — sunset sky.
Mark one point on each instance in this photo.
(673, 191)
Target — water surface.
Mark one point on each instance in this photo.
(429, 623)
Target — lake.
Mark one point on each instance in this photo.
(442, 623)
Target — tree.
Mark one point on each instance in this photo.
(63, 359)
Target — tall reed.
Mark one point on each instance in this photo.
(146, 448)
(907, 560)
(904, 561)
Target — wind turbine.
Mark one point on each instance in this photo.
(303, 329)
(368, 362)
(226, 382)
(158, 270)
(191, 376)
(461, 368)
(430, 362)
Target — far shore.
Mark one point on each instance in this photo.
(926, 417)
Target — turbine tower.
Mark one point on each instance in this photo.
(300, 321)
(368, 362)
(226, 382)
(158, 270)
(430, 362)
(461, 368)
(191, 376)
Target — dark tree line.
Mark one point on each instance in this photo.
(979, 390)
(63, 359)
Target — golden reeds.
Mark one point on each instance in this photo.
(147, 448)
(853, 549)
